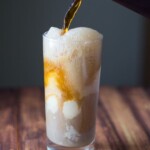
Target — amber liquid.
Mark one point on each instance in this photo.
(71, 14)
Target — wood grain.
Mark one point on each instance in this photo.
(139, 102)
(131, 133)
(8, 120)
(123, 119)
(31, 120)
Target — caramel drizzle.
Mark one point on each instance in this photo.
(70, 15)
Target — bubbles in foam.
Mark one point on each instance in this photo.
(83, 34)
(67, 43)
(53, 33)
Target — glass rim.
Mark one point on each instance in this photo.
(100, 38)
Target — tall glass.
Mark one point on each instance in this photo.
(71, 80)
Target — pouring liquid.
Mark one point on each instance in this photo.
(70, 15)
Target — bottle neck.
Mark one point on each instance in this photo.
(140, 6)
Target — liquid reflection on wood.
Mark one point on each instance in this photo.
(123, 119)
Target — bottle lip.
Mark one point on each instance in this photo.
(100, 38)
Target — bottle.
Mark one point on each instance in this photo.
(140, 6)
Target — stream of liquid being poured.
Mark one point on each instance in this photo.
(70, 15)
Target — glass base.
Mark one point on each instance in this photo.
(53, 146)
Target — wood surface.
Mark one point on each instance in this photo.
(123, 119)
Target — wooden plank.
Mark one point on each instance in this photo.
(139, 102)
(31, 120)
(101, 141)
(125, 124)
(8, 120)
(111, 139)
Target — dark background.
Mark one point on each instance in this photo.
(126, 48)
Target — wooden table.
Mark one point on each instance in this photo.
(123, 119)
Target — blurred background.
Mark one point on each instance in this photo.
(126, 48)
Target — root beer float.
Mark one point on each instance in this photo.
(71, 78)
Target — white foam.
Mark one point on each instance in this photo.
(53, 33)
(83, 34)
(76, 34)
(56, 44)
